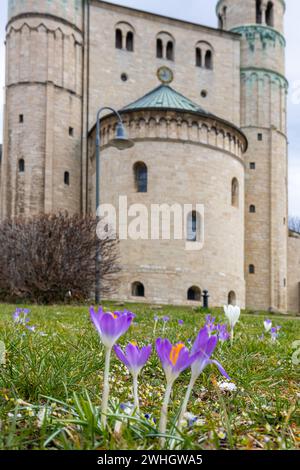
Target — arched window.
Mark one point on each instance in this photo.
(165, 46)
(140, 177)
(270, 14)
(137, 289)
(170, 51)
(129, 41)
(221, 24)
(198, 57)
(119, 39)
(224, 15)
(235, 193)
(204, 55)
(192, 226)
(194, 294)
(208, 60)
(259, 11)
(231, 298)
(159, 49)
(21, 165)
(252, 209)
(251, 269)
(67, 178)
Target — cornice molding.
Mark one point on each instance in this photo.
(262, 72)
(265, 33)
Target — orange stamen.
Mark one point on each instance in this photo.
(134, 343)
(174, 354)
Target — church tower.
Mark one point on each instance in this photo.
(41, 164)
(263, 120)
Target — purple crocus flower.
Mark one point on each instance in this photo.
(202, 351)
(223, 334)
(174, 359)
(205, 345)
(166, 319)
(20, 316)
(134, 357)
(275, 333)
(111, 325)
(180, 322)
(210, 323)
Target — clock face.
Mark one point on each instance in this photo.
(165, 75)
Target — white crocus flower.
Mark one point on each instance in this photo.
(268, 325)
(233, 314)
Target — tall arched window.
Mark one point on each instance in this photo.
(21, 165)
(193, 225)
(129, 41)
(208, 60)
(67, 178)
(119, 39)
(221, 24)
(140, 177)
(251, 269)
(198, 57)
(259, 11)
(231, 298)
(235, 193)
(137, 289)
(270, 14)
(170, 51)
(159, 48)
(194, 294)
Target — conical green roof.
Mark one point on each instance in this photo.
(165, 97)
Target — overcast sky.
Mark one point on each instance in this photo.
(203, 11)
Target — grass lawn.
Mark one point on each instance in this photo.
(50, 386)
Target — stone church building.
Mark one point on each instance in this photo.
(206, 110)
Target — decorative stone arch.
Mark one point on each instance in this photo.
(165, 46)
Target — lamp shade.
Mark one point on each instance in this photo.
(121, 142)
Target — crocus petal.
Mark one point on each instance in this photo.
(201, 340)
(121, 356)
(221, 369)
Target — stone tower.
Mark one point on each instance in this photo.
(41, 167)
(263, 120)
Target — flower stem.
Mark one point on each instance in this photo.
(185, 401)
(105, 394)
(231, 336)
(164, 411)
(136, 393)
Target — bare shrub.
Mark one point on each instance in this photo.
(48, 258)
(294, 224)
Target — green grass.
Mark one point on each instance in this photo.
(61, 374)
